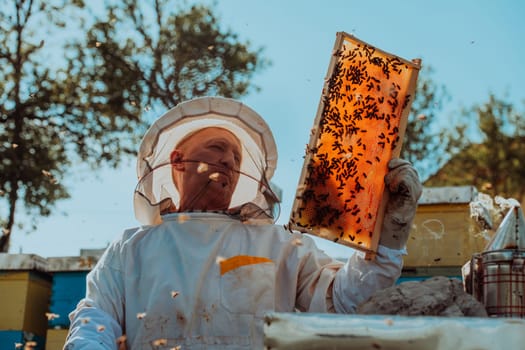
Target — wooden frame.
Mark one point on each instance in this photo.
(359, 127)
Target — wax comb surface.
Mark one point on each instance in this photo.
(359, 127)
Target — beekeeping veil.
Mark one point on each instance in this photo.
(252, 197)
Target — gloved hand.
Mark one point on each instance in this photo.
(404, 190)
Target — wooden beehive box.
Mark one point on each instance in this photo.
(25, 289)
(21, 340)
(444, 234)
(55, 339)
(358, 128)
(69, 285)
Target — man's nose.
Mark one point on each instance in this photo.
(228, 160)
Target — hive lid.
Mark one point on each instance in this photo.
(448, 195)
(71, 263)
(22, 262)
(510, 233)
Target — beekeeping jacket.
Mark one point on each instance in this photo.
(204, 280)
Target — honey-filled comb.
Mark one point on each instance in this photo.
(358, 128)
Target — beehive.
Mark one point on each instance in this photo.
(421, 273)
(358, 128)
(444, 234)
(25, 289)
(21, 340)
(69, 286)
(55, 339)
(305, 330)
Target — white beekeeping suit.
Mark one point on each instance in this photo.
(204, 280)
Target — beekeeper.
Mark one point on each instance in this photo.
(209, 261)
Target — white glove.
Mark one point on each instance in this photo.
(404, 190)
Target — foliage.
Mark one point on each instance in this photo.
(494, 162)
(86, 105)
(33, 154)
(146, 55)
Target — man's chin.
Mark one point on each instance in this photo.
(220, 195)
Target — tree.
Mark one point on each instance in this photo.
(162, 58)
(423, 128)
(32, 154)
(88, 105)
(489, 153)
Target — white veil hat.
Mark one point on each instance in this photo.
(259, 154)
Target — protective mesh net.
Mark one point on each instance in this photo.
(252, 198)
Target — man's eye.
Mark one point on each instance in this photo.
(216, 147)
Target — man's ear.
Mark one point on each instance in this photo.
(176, 160)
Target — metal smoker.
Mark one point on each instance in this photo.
(496, 277)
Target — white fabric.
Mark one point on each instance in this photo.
(259, 153)
(163, 283)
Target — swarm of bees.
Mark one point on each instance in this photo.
(359, 128)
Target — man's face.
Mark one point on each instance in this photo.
(205, 169)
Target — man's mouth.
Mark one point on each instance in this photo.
(222, 177)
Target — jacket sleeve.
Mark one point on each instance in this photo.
(359, 279)
(96, 321)
(327, 285)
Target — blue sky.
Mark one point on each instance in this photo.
(474, 47)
